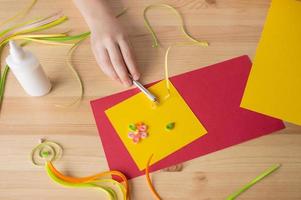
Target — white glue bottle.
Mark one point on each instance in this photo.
(28, 71)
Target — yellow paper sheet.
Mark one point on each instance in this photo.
(274, 85)
(160, 142)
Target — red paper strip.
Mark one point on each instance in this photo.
(213, 94)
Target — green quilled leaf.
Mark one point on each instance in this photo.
(170, 126)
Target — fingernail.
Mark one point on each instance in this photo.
(136, 77)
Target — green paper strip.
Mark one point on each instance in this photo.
(96, 179)
(4, 77)
(179, 16)
(67, 38)
(4, 42)
(254, 181)
(110, 192)
(2, 83)
(55, 40)
(120, 186)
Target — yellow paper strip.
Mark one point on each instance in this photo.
(20, 14)
(194, 42)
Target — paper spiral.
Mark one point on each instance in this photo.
(47, 151)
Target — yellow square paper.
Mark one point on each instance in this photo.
(160, 142)
(274, 85)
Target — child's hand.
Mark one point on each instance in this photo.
(110, 44)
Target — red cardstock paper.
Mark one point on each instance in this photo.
(214, 94)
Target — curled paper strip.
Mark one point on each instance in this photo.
(182, 26)
(231, 197)
(193, 41)
(149, 181)
(21, 32)
(24, 30)
(47, 151)
(97, 181)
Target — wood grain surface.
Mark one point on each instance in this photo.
(232, 27)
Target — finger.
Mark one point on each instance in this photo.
(129, 58)
(103, 60)
(119, 64)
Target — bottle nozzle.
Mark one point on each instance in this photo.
(16, 51)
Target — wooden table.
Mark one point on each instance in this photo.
(232, 27)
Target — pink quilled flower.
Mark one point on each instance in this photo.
(139, 133)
